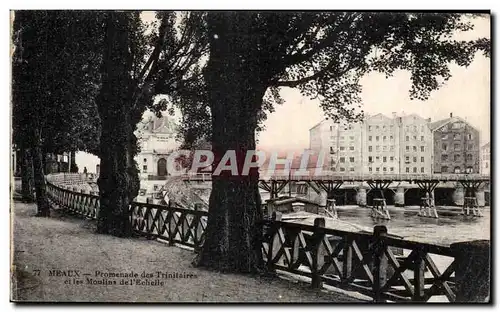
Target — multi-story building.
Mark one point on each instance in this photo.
(381, 145)
(485, 159)
(341, 143)
(455, 146)
(415, 152)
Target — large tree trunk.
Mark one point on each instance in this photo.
(73, 166)
(43, 208)
(118, 180)
(27, 176)
(233, 234)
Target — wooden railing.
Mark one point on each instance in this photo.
(377, 265)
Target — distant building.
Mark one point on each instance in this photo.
(156, 137)
(381, 142)
(415, 144)
(455, 145)
(485, 158)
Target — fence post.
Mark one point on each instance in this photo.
(318, 235)
(347, 261)
(272, 232)
(472, 270)
(379, 262)
(170, 232)
(419, 275)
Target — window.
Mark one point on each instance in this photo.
(377, 169)
(457, 136)
(341, 138)
(422, 169)
(332, 162)
(486, 165)
(342, 148)
(370, 169)
(456, 147)
(391, 137)
(145, 168)
(456, 125)
(444, 137)
(456, 158)
(414, 159)
(407, 148)
(414, 128)
(422, 138)
(422, 148)
(351, 169)
(342, 159)
(469, 136)
(377, 158)
(376, 138)
(384, 148)
(342, 169)
(392, 147)
(444, 157)
(414, 169)
(331, 149)
(369, 128)
(414, 148)
(383, 127)
(469, 156)
(407, 138)
(351, 138)
(414, 137)
(351, 159)
(351, 148)
(377, 127)
(384, 138)
(392, 158)
(145, 160)
(331, 128)
(421, 159)
(444, 147)
(370, 159)
(457, 169)
(370, 138)
(468, 170)
(377, 148)
(407, 159)
(444, 169)
(407, 170)
(334, 169)
(470, 146)
(370, 148)
(384, 159)
(392, 169)
(384, 169)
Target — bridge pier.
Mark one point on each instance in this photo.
(458, 195)
(399, 197)
(470, 197)
(379, 206)
(427, 205)
(361, 196)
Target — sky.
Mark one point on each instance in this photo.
(466, 94)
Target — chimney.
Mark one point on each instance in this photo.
(451, 115)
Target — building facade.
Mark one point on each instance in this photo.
(485, 159)
(381, 145)
(156, 137)
(455, 146)
(415, 152)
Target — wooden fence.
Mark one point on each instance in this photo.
(376, 265)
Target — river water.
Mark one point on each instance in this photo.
(449, 228)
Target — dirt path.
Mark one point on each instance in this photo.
(70, 245)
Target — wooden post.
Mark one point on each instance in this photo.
(170, 221)
(318, 235)
(419, 271)
(272, 232)
(472, 271)
(196, 221)
(347, 261)
(379, 261)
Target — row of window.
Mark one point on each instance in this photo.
(342, 148)
(456, 157)
(457, 169)
(384, 148)
(456, 147)
(377, 158)
(384, 138)
(415, 138)
(457, 136)
(370, 128)
(377, 169)
(415, 148)
(342, 169)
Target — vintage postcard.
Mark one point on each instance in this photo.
(250, 156)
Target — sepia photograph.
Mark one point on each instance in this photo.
(250, 156)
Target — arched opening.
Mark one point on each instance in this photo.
(413, 196)
(388, 195)
(162, 167)
(444, 196)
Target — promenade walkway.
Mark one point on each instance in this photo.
(64, 249)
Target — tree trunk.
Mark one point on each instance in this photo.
(233, 234)
(43, 208)
(118, 179)
(72, 157)
(27, 176)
